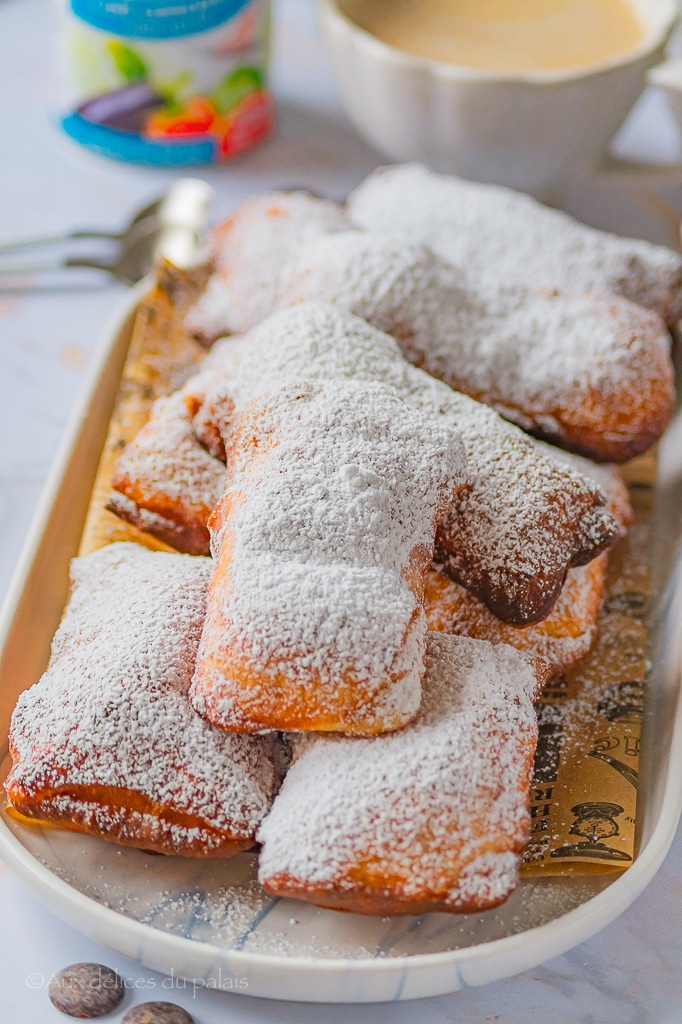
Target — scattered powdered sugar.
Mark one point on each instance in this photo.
(230, 917)
(506, 238)
(112, 711)
(221, 916)
(536, 357)
(322, 539)
(249, 249)
(437, 811)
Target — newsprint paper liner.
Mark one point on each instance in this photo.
(584, 792)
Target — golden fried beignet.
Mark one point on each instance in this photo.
(608, 478)
(518, 569)
(248, 250)
(106, 742)
(559, 641)
(322, 541)
(517, 565)
(590, 372)
(505, 238)
(165, 482)
(431, 818)
(210, 396)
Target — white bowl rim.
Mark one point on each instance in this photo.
(560, 934)
(656, 35)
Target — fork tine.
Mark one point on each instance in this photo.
(169, 225)
(20, 268)
(49, 240)
(139, 221)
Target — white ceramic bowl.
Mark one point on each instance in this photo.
(668, 77)
(532, 131)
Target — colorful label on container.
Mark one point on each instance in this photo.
(138, 19)
(166, 84)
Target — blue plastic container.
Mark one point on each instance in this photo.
(165, 83)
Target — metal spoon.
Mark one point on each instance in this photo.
(171, 226)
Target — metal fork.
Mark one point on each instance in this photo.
(171, 226)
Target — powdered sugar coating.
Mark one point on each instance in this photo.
(322, 540)
(544, 360)
(506, 238)
(165, 481)
(249, 249)
(434, 816)
(112, 711)
(557, 643)
(566, 635)
(511, 536)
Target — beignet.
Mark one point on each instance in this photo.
(106, 742)
(506, 238)
(431, 818)
(165, 482)
(557, 642)
(322, 541)
(248, 250)
(590, 372)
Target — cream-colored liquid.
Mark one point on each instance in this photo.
(503, 35)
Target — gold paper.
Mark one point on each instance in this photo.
(160, 358)
(584, 793)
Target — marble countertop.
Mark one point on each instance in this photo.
(631, 972)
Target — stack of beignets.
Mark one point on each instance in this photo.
(352, 499)
(509, 537)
